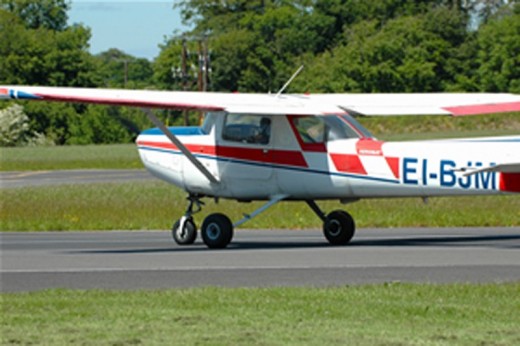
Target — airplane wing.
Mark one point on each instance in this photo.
(364, 104)
(181, 100)
(456, 104)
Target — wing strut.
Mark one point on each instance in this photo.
(181, 146)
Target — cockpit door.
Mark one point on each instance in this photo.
(244, 145)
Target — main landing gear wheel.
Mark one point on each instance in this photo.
(186, 235)
(339, 227)
(217, 231)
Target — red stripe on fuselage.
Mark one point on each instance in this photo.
(510, 182)
(348, 163)
(370, 147)
(273, 156)
(393, 163)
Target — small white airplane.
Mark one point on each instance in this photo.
(305, 148)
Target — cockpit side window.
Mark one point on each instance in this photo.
(247, 128)
(321, 129)
(311, 129)
(338, 129)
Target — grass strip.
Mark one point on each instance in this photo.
(398, 314)
(115, 156)
(155, 205)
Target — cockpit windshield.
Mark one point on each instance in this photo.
(209, 121)
(356, 126)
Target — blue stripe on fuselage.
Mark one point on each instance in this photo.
(179, 131)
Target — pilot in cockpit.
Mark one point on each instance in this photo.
(265, 131)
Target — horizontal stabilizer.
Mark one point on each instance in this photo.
(503, 168)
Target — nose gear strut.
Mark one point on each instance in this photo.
(184, 230)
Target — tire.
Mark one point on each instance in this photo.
(217, 231)
(339, 227)
(186, 236)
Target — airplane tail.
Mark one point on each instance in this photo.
(509, 175)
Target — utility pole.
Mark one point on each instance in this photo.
(184, 57)
(204, 69)
(186, 72)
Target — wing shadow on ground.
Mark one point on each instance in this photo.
(491, 241)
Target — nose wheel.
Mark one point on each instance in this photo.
(184, 231)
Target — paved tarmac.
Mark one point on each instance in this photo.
(257, 258)
(82, 176)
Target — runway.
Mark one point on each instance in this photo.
(257, 258)
(80, 176)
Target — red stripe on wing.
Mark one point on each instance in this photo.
(484, 109)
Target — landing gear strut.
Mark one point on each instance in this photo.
(217, 229)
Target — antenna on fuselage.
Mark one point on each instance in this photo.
(289, 81)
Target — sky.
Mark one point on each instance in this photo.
(135, 27)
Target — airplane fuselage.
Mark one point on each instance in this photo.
(305, 159)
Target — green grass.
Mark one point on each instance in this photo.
(390, 314)
(118, 156)
(155, 205)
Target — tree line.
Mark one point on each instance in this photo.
(255, 46)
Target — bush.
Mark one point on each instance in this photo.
(15, 129)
